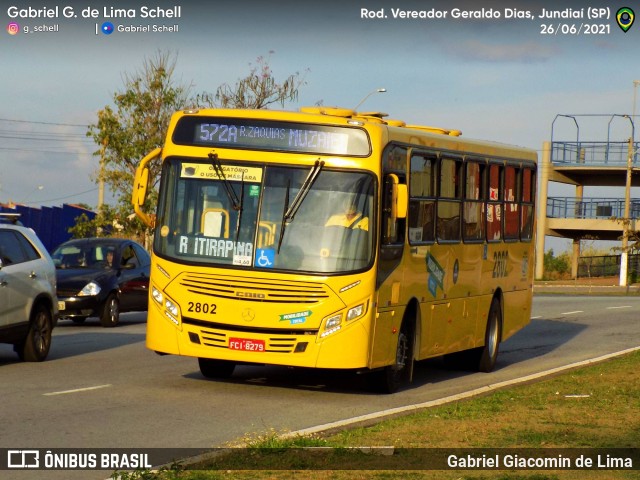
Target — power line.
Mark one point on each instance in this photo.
(43, 123)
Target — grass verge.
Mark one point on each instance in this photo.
(592, 407)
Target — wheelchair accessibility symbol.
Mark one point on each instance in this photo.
(265, 257)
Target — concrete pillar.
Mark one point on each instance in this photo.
(574, 258)
(544, 170)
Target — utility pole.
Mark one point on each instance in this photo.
(624, 257)
(101, 175)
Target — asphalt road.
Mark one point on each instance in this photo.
(100, 388)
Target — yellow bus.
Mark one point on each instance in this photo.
(332, 239)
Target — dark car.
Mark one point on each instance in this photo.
(101, 277)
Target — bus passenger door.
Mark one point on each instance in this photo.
(389, 282)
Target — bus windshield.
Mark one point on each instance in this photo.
(233, 214)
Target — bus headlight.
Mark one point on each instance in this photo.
(156, 295)
(332, 325)
(171, 307)
(355, 312)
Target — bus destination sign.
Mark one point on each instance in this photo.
(271, 135)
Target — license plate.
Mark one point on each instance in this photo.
(61, 305)
(246, 344)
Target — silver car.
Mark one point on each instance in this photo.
(28, 303)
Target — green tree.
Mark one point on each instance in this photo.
(137, 122)
(556, 267)
(126, 132)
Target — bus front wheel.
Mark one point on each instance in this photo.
(216, 368)
(392, 377)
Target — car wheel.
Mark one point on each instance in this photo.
(216, 368)
(110, 315)
(35, 347)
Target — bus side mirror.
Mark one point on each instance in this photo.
(140, 186)
(399, 198)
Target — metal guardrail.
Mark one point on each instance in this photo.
(607, 266)
(591, 208)
(594, 154)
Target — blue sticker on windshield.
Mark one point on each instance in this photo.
(265, 257)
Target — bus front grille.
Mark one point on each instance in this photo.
(280, 343)
(253, 290)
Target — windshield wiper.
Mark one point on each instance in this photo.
(284, 214)
(291, 210)
(304, 190)
(240, 208)
(236, 203)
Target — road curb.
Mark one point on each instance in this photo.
(375, 417)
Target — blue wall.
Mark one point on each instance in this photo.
(51, 224)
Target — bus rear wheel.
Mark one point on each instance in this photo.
(487, 355)
(481, 359)
(216, 368)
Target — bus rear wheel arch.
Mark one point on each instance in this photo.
(482, 359)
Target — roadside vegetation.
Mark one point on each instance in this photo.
(592, 407)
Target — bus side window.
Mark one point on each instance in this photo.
(494, 204)
(449, 200)
(528, 196)
(422, 202)
(511, 199)
(474, 195)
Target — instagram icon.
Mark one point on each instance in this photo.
(13, 28)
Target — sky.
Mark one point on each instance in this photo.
(500, 77)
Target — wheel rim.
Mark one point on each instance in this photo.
(492, 338)
(401, 352)
(113, 310)
(41, 333)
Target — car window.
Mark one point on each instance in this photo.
(14, 248)
(129, 256)
(142, 255)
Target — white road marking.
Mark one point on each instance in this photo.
(621, 306)
(534, 318)
(50, 394)
(572, 313)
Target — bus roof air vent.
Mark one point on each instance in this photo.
(372, 114)
(395, 123)
(441, 131)
(332, 111)
(369, 118)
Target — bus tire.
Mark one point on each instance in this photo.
(481, 359)
(392, 377)
(216, 368)
(487, 355)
